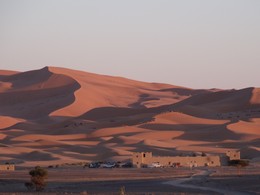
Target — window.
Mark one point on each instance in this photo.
(144, 155)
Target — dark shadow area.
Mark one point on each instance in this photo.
(187, 92)
(113, 112)
(34, 156)
(142, 98)
(216, 103)
(36, 103)
(215, 133)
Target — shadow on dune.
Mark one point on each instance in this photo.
(38, 103)
(143, 146)
(208, 105)
(112, 112)
(215, 133)
(202, 132)
(187, 92)
(179, 127)
(142, 99)
(28, 79)
(33, 156)
(37, 94)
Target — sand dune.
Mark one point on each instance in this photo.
(6, 73)
(57, 115)
(35, 91)
(104, 91)
(35, 137)
(6, 121)
(255, 98)
(226, 101)
(181, 118)
(244, 127)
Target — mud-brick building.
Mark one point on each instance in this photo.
(233, 155)
(144, 159)
(7, 167)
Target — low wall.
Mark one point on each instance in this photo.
(184, 161)
(7, 167)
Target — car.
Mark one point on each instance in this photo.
(155, 165)
(108, 165)
(94, 165)
(127, 165)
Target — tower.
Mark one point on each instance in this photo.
(140, 159)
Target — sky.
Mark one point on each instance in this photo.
(191, 43)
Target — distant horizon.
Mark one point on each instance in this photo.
(196, 44)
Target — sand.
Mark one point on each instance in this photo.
(57, 115)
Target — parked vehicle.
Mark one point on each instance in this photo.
(127, 165)
(94, 165)
(108, 165)
(176, 165)
(155, 165)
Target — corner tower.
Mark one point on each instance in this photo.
(141, 158)
(233, 155)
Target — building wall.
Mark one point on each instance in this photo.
(139, 158)
(144, 159)
(186, 161)
(7, 167)
(233, 155)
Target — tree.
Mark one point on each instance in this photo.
(38, 176)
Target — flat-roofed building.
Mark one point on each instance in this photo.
(233, 155)
(144, 159)
(7, 167)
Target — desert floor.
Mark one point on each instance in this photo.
(78, 180)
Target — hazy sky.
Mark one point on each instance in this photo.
(192, 43)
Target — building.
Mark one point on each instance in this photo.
(144, 159)
(233, 155)
(7, 167)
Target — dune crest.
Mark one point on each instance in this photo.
(34, 91)
(103, 91)
(6, 121)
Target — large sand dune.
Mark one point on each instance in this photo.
(57, 115)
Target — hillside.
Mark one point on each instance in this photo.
(57, 115)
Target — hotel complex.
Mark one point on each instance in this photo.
(144, 159)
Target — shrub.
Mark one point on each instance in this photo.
(238, 163)
(38, 176)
